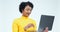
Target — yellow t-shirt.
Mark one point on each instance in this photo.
(19, 24)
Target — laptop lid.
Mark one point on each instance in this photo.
(46, 21)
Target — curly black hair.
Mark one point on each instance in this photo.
(24, 4)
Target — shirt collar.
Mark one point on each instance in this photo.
(24, 17)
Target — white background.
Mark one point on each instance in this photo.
(9, 9)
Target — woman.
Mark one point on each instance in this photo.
(24, 23)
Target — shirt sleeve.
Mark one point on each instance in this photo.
(14, 27)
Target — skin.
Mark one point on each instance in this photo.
(26, 12)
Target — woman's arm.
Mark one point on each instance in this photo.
(14, 27)
(46, 30)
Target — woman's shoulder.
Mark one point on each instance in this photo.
(16, 20)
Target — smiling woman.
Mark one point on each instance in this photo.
(24, 23)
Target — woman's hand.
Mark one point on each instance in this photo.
(28, 26)
(46, 29)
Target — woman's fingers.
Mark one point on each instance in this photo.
(46, 29)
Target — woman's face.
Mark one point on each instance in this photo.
(27, 11)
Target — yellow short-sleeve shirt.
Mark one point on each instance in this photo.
(19, 24)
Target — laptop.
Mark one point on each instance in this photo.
(46, 21)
